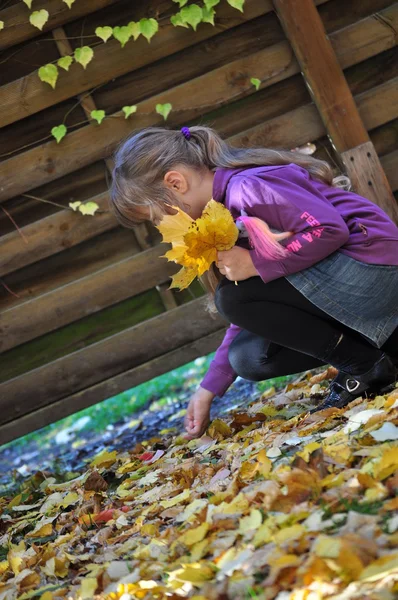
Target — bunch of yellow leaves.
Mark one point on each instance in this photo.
(195, 243)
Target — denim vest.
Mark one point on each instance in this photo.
(360, 295)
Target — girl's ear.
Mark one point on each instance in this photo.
(175, 180)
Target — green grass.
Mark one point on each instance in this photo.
(159, 391)
(121, 406)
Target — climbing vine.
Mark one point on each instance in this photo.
(187, 16)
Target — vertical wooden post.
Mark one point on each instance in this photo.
(329, 89)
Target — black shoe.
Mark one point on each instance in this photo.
(345, 387)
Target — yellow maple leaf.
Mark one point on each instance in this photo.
(176, 500)
(192, 536)
(251, 522)
(387, 464)
(308, 450)
(195, 243)
(327, 547)
(289, 534)
(104, 459)
(174, 227)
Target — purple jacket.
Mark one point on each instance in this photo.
(323, 218)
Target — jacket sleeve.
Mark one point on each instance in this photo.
(318, 229)
(220, 374)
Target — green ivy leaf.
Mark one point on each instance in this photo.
(39, 18)
(148, 28)
(84, 55)
(65, 62)
(68, 3)
(88, 208)
(75, 205)
(256, 82)
(28, 3)
(122, 34)
(210, 3)
(163, 109)
(192, 15)
(208, 15)
(135, 29)
(128, 110)
(59, 132)
(49, 74)
(104, 33)
(1, 25)
(181, 2)
(98, 115)
(176, 20)
(238, 4)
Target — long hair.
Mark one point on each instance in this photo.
(142, 160)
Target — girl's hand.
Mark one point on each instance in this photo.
(236, 264)
(197, 417)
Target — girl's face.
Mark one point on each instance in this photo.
(191, 189)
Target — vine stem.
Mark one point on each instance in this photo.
(14, 223)
(56, 203)
(8, 289)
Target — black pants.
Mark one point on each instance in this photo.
(283, 332)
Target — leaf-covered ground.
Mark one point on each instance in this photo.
(272, 503)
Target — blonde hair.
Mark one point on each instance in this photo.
(142, 160)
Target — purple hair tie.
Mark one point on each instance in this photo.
(185, 131)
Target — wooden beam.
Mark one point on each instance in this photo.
(110, 387)
(53, 234)
(112, 61)
(85, 296)
(85, 332)
(329, 89)
(51, 160)
(66, 229)
(322, 72)
(88, 105)
(105, 359)
(367, 37)
(390, 162)
(368, 177)
(304, 124)
(17, 28)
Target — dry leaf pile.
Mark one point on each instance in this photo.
(272, 503)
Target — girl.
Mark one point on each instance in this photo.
(329, 296)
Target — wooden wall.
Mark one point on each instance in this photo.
(84, 307)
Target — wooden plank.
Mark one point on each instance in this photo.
(80, 185)
(307, 123)
(64, 267)
(366, 38)
(91, 143)
(390, 162)
(80, 334)
(332, 95)
(111, 61)
(17, 28)
(110, 387)
(339, 13)
(363, 160)
(105, 359)
(66, 229)
(322, 72)
(88, 105)
(85, 296)
(53, 234)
